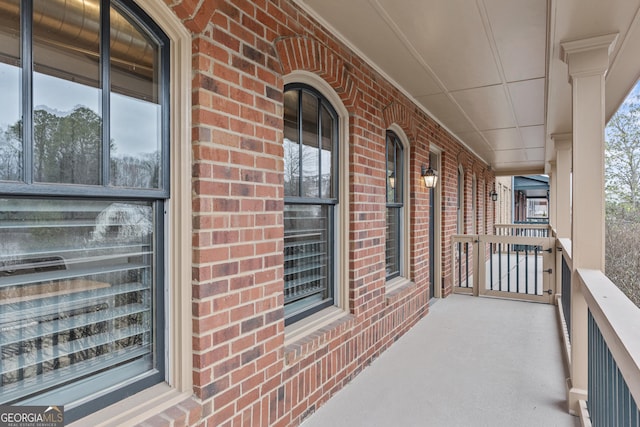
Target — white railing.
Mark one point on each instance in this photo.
(564, 267)
(613, 321)
(513, 265)
(614, 352)
(523, 229)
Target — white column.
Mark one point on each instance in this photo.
(588, 60)
(563, 184)
(553, 183)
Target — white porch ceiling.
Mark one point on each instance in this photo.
(490, 71)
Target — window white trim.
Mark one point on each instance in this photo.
(341, 272)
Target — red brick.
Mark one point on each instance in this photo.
(238, 199)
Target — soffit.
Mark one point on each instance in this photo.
(578, 19)
(474, 66)
(490, 71)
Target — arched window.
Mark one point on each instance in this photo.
(460, 198)
(474, 204)
(84, 180)
(395, 205)
(311, 199)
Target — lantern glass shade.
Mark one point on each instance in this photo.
(392, 180)
(430, 177)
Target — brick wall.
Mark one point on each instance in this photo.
(242, 372)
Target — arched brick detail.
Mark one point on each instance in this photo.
(464, 159)
(478, 169)
(398, 114)
(488, 175)
(197, 15)
(303, 53)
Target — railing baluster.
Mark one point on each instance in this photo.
(460, 264)
(518, 271)
(500, 266)
(466, 254)
(491, 265)
(526, 269)
(566, 294)
(535, 261)
(610, 401)
(509, 267)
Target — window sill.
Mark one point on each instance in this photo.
(309, 334)
(140, 407)
(398, 288)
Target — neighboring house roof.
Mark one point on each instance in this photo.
(532, 185)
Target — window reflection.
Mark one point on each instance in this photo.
(10, 130)
(310, 141)
(291, 145)
(67, 134)
(135, 125)
(310, 154)
(326, 159)
(75, 290)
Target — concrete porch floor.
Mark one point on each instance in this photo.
(470, 362)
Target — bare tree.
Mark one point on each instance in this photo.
(623, 157)
(622, 181)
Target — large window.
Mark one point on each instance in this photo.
(310, 186)
(460, 202)
(83, 186)
(474, 205)
(395, 205)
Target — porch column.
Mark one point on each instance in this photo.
(588, 60)
(563, 184)
(550, 169)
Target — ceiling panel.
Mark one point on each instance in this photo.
(503, 139)
(488, 65)
(365, 28)
(447, 112)
(515, 168)
(449, 35)
(476, 142)
(533, 136)
(527, 98)
(487, 107)
(510, 156)
(535, 154)
(519, 31)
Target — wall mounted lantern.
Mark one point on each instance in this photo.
(494, 195)
(392, 180)
(430, 176)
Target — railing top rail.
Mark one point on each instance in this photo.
(464, 236)
(515, 240)
(618, 319)
(565, 244)
(524, 225)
